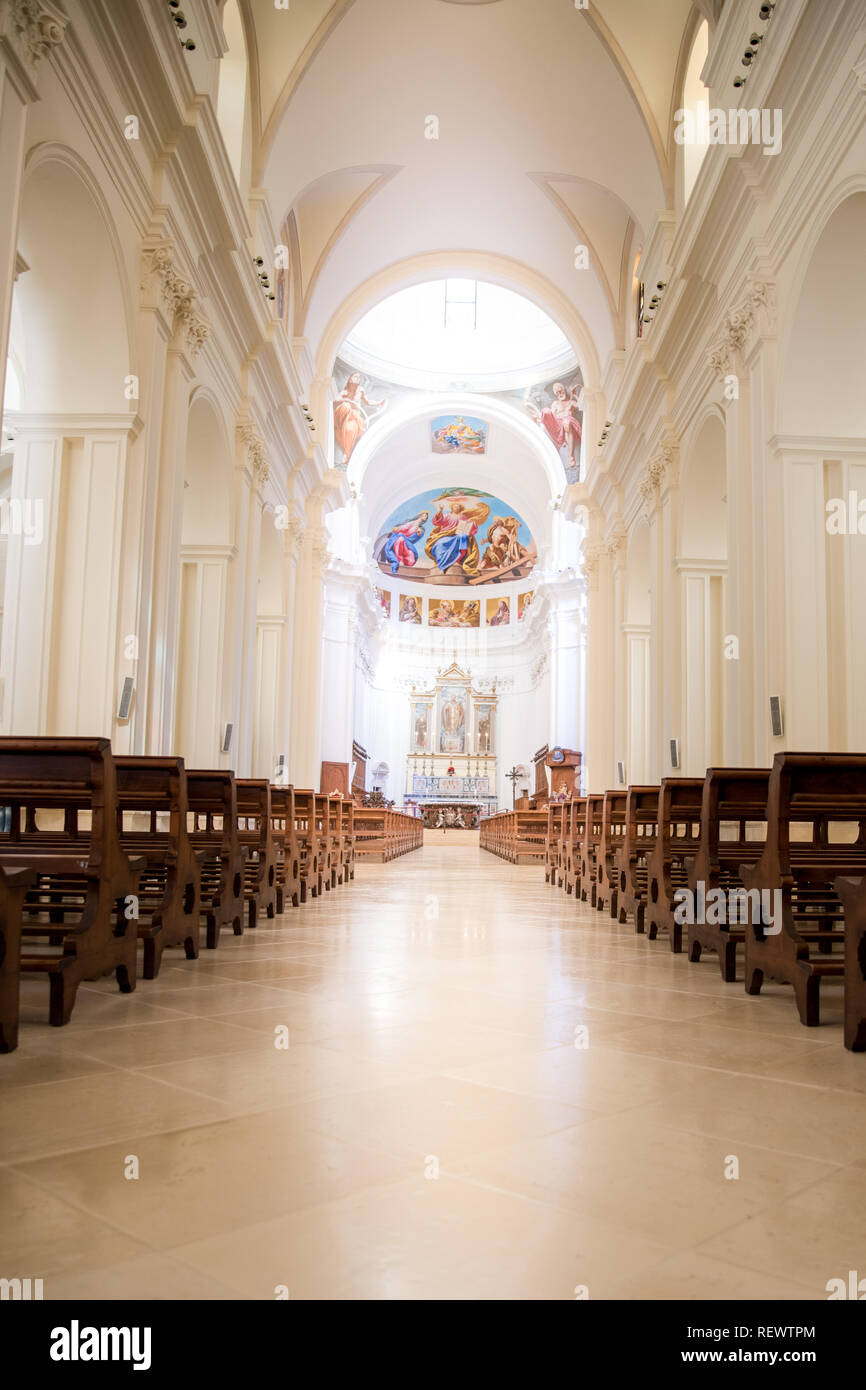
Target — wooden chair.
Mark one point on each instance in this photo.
(152, 813)
(255, 835)
(79, 917)
(633, 856)
(287, 865)
(816, 818)
(677, 839)
(733, 832)
(213, 820)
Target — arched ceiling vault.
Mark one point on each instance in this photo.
(342, 91)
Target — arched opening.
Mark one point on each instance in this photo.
(206, 546)
(233, 106)
(636, 628)
(694, 107)
(822, 462)
(702, 566)
(63, 428)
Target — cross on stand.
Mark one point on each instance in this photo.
(514, 777)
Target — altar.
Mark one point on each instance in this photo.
(451, 763)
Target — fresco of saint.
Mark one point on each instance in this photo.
(561, 420)
(454, 528)
(410, 609)
(501, 615)
(350, 416)
(397, 546)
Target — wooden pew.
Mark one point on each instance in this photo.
(382, 834)
(733, 832)
(677, 839)
(607, 853)
(13, 886)
(497, 833)
(816, 833)
(852, 895)
(78, 918)
(553, 842)
(287, 864)
(324, 825)
(589, 847)
(639, 840)
(152, 813)
(347, 837)
(575, 825)
(335, 828)
(309, 844)
(255, 835)
(530, 835)
(213, 820)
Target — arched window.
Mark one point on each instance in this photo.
(232, 102)
(695, 100)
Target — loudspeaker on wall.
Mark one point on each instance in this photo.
(125, 697)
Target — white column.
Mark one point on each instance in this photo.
(202, 654)
(702, 590)
(270, 632)
(639, 755)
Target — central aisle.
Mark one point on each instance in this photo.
(432, 1131)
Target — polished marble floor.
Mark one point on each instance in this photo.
(487, 1092)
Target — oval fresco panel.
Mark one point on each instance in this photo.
(455, 535)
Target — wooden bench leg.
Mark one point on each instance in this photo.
(807, 989)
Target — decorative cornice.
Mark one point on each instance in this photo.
(31, 28)
(758, 298)
(178, 296)
(256, 455)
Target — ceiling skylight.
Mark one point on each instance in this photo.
(458, 334)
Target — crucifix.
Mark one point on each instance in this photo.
(514, 777)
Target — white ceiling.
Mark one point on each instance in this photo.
(554, 129)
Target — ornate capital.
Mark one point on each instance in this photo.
(615, 542)
(178, 296)
(592, 556)
(256, 455)
(319, 549)
(31, 28)
(756, 306)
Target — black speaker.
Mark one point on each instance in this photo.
(776, 715)
(125, 697)
(620, 773)
(227, 737)
(675, 752)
